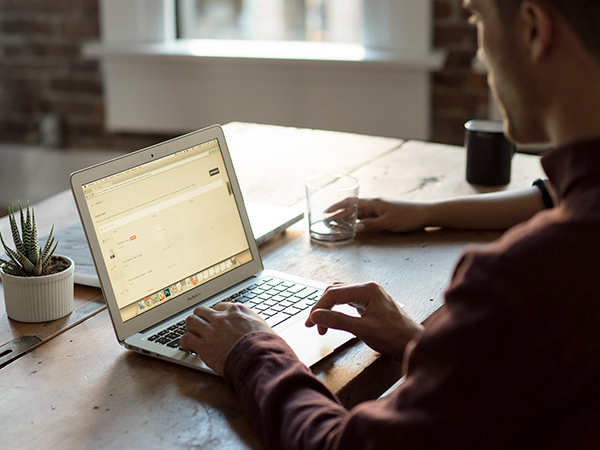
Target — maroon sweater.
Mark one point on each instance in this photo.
(512, 359)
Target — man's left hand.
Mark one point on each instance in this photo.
(213, 332)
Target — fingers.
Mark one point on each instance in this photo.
(195, 323)
(204, 312)
(369, 224)
(327, 301)
(196, 329)
(359, 296)
(342, 213)
(338, 294)
(190, 341)
(332, 319)
(223, 306)
(199, 321)
(211, 333)
(346, 215)
(367, 208)
(370, 215)
(348, 203)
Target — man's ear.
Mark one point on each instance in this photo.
(537, 29)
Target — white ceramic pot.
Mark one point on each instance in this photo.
(39, 299)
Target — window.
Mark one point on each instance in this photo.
(380, 86)
(280, 20)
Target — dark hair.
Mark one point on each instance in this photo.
(582, 15)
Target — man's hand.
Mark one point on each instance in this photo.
(383, 325)
(213, 332)
(397, 216)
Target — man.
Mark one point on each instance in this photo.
(512, 359)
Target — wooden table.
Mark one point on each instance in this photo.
(77, 388)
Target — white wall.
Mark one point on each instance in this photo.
(181, 97)
(150, 90)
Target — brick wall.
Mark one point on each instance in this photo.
(458, 93)
(42, 72)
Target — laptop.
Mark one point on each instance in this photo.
(168, 230)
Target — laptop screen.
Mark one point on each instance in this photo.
(167, 226)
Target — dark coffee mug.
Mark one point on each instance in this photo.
(489, 153)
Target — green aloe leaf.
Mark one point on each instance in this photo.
(49, 241)
(22, 216)
(28, 258)
(30, 238)
(49, 255)
(37, 270)
(12, 269)
(26, 264)
(35, 247)
(9, 251)
(15, 231)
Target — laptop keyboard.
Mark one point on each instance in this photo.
(169, 336)
(274, 299)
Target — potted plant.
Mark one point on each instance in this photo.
(38, 285)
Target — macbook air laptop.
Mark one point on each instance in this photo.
(168, 230)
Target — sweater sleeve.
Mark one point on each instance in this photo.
(291, 409)
(285, 403)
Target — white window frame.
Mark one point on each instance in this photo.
(154, 83)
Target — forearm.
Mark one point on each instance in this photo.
(493, 211)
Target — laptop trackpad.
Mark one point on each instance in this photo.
(309, 345)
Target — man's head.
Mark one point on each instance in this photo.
(582, 15)
(541, 55)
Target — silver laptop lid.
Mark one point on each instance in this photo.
(167, 228)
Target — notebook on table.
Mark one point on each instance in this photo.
(168, 230)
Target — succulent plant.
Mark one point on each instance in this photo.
(28, 258)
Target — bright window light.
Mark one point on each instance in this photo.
(338, 21)
(276, 50)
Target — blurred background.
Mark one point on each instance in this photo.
(70, 95)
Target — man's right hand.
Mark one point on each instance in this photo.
(383, 325)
